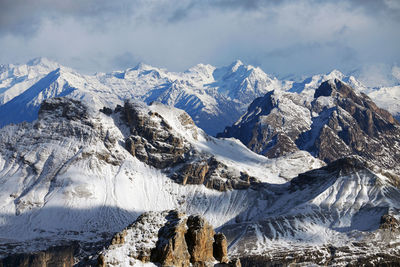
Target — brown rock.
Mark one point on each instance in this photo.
(220, 248)
(199, 239)
(174, 241)
(213, 174)
(389, 222)
(194, 173)
(119, 238)
(171, 248)
(152, 140)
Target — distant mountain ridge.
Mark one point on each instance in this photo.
(213, 97)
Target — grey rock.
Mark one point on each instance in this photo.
(338, 122)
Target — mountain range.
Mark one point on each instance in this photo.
(114, 170)
(213, 97)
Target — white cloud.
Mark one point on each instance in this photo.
(300, 37)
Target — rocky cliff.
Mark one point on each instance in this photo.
(73, 176)
(168, 238)
(337, 122)
(166, 143)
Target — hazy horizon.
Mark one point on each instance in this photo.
(284, 38)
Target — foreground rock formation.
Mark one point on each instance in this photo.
(168, 238)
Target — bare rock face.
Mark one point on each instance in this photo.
(168, 238)
(354, 125)
(389, 222)
(213, 174)
(119, 238)
(271, 124)
(171, 248)
(338, 122)
(68, 108)
(152, 139)
(200, 239)
(220, 248)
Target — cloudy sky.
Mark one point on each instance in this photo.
(282, 37)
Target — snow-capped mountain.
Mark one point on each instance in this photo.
(386, 97)
(94, 157)
(310, 84)
(79, 175)
(72, 171)
(15, 79)
(212, 96)
(337, 122)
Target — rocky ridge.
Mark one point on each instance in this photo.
(70, 176)
(338, 122)
(155, 142)
(168, 238)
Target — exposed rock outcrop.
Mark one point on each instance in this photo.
(213, 174)
(389, 222)
(169, 238)
(154, 141)
(272, 123)
(200, 239)
(336, 123)
(220, 248)
(68, 108)
(171, 248)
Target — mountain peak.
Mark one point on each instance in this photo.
(335, 73)
(341, 124)
(333, 86)
(201, 68)
(235, 65)
(142, 66)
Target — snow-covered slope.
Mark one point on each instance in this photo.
(387, 98)
(345, 213)
(71, 176)
(68, 176)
